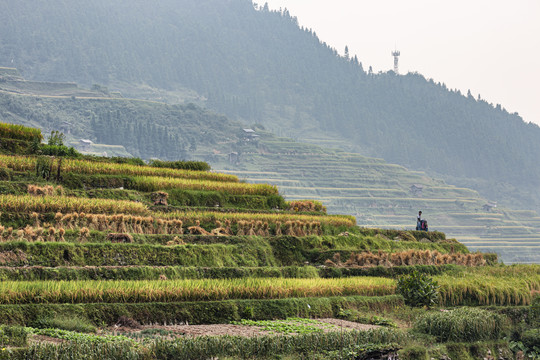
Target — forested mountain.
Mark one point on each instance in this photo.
(260, 66)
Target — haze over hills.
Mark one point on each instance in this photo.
(261, 67)
(145, 129)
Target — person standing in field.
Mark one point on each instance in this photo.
(419, 221)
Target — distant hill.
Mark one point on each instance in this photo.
(259, 66)
(145, 129)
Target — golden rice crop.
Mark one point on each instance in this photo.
(23, 163)
(41, 204)
(18, 163)
(155, 183)
(515, 270)
(477, 288)
(22, 292)
(119, 223)
(19, 132)
(204, 216)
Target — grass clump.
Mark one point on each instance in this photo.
(413, 352)
(78, 337)
(462, 324)
(364, 318)
(12, 336)
(65, 322)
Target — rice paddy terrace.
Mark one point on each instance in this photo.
(109, 258)
(383, 195)
(378, 194)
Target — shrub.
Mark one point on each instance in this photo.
(531, 338)
(123, 160)
(59, 150)
(13, 336)
(413, 353)
(128, 322)
(5, 173)
(462, 324)
(535, 312)
(418, 289)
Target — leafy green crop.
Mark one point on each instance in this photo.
(288, 326)
(75, 336)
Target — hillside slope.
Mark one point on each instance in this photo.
(261, 67)
(384, 195)
(377, 193)
(146, 129)
(111, 258)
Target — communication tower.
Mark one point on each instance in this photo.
(396, 54)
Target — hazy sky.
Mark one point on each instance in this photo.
(491, 47)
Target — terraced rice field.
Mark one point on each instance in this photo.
(365, 187)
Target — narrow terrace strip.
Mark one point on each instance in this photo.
(187, 290)
(43, 204)
(24, 163)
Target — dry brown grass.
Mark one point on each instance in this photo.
(306, 206)
(120, 238)
(159, 198)
(148, 225)
(196, 229)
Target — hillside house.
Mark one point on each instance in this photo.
(250, 135)
(489, 206)
(85, 144)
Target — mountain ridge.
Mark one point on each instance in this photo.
(259, 66)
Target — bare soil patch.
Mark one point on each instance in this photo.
(242, 330)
